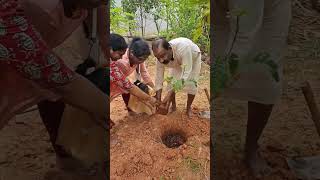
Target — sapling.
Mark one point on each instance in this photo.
(224, 70)
(176, 85)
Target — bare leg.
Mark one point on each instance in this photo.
(51, 115)
(173, 101)
(258, 116)
(126, 98)
(189, 103)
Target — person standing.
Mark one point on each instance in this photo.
(183, 58)
(262, 29)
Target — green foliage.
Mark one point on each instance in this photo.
(238, 12)
(233, 64)
(224, 70)
(188, 18)
(121, 21)
(192, 164)
(178, 84)
(221, 72)
(184, 18)
(139, 8)
(264, 58)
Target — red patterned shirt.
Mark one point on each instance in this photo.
(119, 84)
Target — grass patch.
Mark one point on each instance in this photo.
(192, 164)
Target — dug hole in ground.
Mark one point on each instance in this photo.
(138, 143)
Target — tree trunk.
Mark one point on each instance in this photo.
(157, 26)
(145, 23)
(167, 13)
(141, 20)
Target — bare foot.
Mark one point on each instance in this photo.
(189, 112)
(257, 165)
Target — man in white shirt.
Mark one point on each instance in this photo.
(263, 29)
(183, 58)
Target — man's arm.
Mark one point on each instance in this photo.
(158, 94)
(145, 75)
(159, 79)
(186, 56)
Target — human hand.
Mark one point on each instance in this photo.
(151, 85)
(154, 101)
(163, 108)
(158, 95)
(168, 97)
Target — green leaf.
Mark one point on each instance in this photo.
(219, 75)
(276, 76)
(265, 59)
(168, 79)
(195, 82)
(233, 63)
(178, 85)
(238, 12)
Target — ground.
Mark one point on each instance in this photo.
(290, 131)
(137, 151)
(25, 148)
(25, 151)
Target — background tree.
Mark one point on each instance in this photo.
(183, 18)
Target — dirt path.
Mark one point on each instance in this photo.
(290, 131)
(137, 151)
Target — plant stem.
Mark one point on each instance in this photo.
(234, 38)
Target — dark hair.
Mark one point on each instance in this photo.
(117, 42)
(139, 47)
(142, 86)
(83, 67)
(163, 42)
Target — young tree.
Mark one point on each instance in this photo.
(140, 7)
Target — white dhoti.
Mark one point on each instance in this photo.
(264, 28)
(186, 64)
(190, 86)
